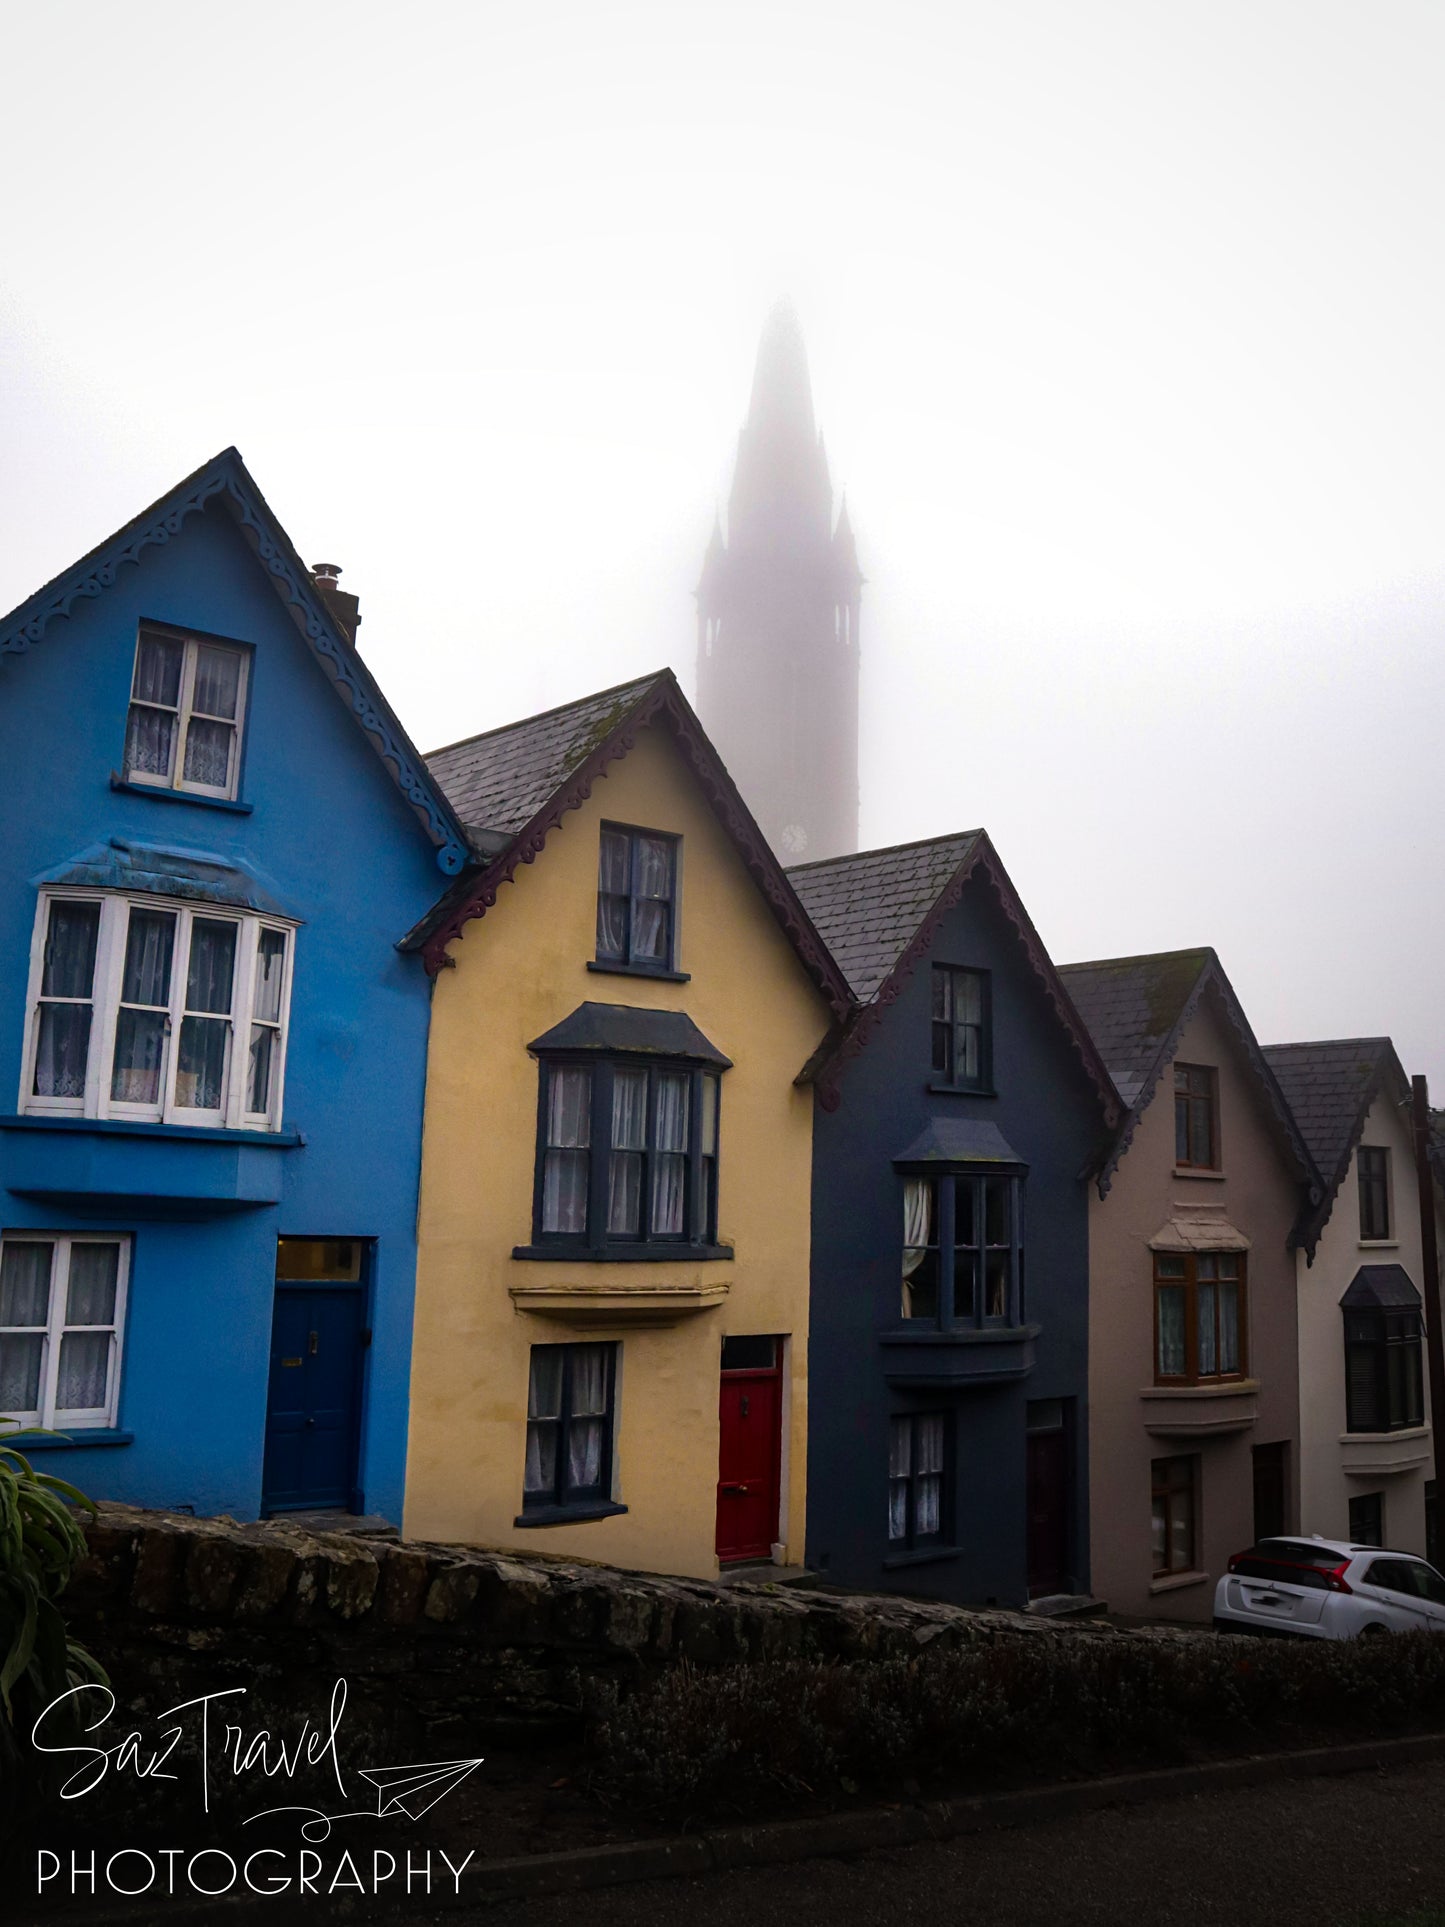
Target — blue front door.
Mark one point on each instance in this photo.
(315, 1398)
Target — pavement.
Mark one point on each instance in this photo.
(1360, 1850)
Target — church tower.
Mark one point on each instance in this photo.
(777, 619)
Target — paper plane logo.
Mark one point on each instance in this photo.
(415, 1790)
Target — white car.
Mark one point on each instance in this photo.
(1328, 1589)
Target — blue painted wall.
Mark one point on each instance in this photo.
(342, 851)
(1047, 1110)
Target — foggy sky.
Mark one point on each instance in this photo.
(1126, 329)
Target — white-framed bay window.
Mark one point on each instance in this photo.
(62, 1319)
(156, 1009)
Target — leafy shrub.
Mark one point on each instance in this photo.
(40, 1543)
(738, 1737)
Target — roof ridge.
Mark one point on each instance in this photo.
(541, 715)
(886, 849)
(1318, 1043)
(1144, 956)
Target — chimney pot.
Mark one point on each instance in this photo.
(326, 572)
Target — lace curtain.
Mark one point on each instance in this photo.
(588, 1417)
(669, 1169)
(629, 1142)
(651, 904)
(564, 1172)
(544, 1410)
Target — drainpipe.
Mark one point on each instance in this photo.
(1430, 1283)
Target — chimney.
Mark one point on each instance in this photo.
(346, 609)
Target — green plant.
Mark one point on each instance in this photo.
(40, 1543)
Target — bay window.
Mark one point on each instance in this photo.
(963, 1248)
(159, 1010)
(62, 1307)
(627, 1158)
(1199, 1316)
(1384, 1384)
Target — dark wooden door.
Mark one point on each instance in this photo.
(750, 1414)
(1048, 1512)
(1271, 1506)
(314, 1401)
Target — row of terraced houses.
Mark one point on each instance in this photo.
(502, 1143)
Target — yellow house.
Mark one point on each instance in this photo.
(611, 1335)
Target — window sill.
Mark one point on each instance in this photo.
(118, 782)
(1204, 1171)
(1379, 1244)
(962, 1090)
(568, 1515)
(136, 1127)
(658, 1254)
(1178, 1581)
(60, 1441)
(639, 970)
(921, 1556)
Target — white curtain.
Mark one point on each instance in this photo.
(544, 1408)
(80, 1384)
(669, 1169)
(62, 1047)
(564, 1172)
(218, 682)
(1228, 1328)
(25, 1282)
(928, 1475)
(899, 1441)
(150, 739)
(208, 753)
(613, 884)
(270, 973)
(158, 670)
(90, 1293)
(62, 1050)
(213, 958)
(917, 1229)
(629, 1141)
(650, 906)
(146, 980)
(587, 1423)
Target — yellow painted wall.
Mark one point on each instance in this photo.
(520, 970)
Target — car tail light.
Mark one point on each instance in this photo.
(1335, 1575)
(1251, 1565)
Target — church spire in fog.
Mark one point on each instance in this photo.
(778, 618)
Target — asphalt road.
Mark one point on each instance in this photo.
(1341, 1852)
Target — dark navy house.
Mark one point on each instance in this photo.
(212, 1055)
(957, 1115)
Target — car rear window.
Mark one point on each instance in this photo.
(1298, 1550)
(1286, 1572)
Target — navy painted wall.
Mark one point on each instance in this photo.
(1047, 1110)
(341, 850)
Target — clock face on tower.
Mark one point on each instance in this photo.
(794, 840)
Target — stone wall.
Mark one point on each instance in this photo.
(446, 1645)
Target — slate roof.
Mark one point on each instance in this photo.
(1330, 1086)
(1132, 1005)
(497, 782)
(869, 908)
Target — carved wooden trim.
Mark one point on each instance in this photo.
(226, 479)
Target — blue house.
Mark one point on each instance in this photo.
(212, 1053)
(958, 1112)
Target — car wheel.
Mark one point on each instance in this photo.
(1373, 1632)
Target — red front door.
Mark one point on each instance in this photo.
(750, 1413)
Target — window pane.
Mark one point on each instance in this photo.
(928, 1507)
(20, 1361)
(709, 1116)
(943, 1050)
(150, 741)
(270, 976)
(669, 1185)
(649, 932)
(70, 940)
(624, 1195)
(1181, 1536)
(1170, 1301)
(1169, 1267)
(540, 1475)
(1181, 1128)
(158, 670)
(995, 1304)
(1229, 1327)
(968, 997)
(965, 1281)
(612, 927)
(62, 1050)
(544, 1389)
(213, 960)
(1199, 1132)
(584, 1454)
(968, 1051)
(942, 996)
(564, 1192)
(208, 753)
(258, 1072)
(1160, 1534)
(84, 1370)
(1228, 1264)
(900, 1448)
(218, 681)
(897, 1508)
(90, 1295)
(928, 1440)
(25, 1282)
(672, 1096)
(569, 1106)
(1208, 1351)
(965, 1212)
(629, 1110)
(149, 940)
(1206, 1265)
(612, 871)
(995, 1211)
(654, 867)
(589, 1380)
(1362, 1388)
(920, 1288)
(201, 1063)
